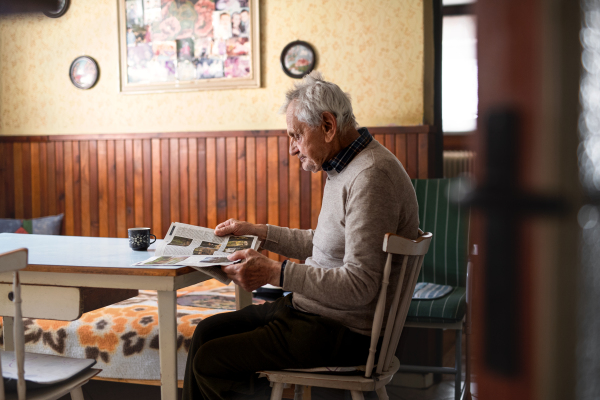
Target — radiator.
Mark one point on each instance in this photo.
(458, 163)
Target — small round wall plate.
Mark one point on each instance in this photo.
(63, 6)
(298, 59)
(84, 72)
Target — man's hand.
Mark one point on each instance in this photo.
(256, 271)
(240, 228)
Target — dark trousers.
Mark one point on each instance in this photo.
(227, 349)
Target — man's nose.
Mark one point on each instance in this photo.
(293, 148)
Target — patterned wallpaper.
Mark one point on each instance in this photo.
(372, 49)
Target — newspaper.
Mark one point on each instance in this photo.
(200, 248)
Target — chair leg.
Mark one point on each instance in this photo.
(357, 395)
(77, 394)
(277, 391)
(298, 392)
(382, 393)
(458, 365)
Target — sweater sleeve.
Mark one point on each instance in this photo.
(292, 243)
(372, 210)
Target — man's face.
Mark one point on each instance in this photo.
(306, 142)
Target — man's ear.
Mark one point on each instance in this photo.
(329, 126)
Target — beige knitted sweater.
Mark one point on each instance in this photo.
(344, 263)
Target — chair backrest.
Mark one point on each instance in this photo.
(14, 261)
(446, 261)
(413, 252)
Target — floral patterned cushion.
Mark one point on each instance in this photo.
(123, 338)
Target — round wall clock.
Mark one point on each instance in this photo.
(84, 72)
(298, 59)
(63, 6)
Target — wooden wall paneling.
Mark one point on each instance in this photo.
(129, 185)
(390, 142)
(273, 185)
(147, 151)
(211, 182)
(156, 225)
(86, 209)
(7, 200)
(76, 170)
(9, 180)
(231, 167)
(59, 159)
(43, 181)
(112, 188)
(184, 182)
(4, 193)
(241, 178)
(305, 198)
(50, 177)
(193, 179)
(138, 183)
(380, 138)
(411, 155)
(26, 161)
(284, 178)
(70, 216)
(94, 198)
(102, 189)
(107, 183)
(165, 186)
(202, 183)
(121, 184)
(221, 180)
(251, 180)
(423, 156)
(401, 149)
(294, 192)
(36, 189)
(316, 191)
(261, 180)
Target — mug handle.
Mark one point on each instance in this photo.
(153, 237)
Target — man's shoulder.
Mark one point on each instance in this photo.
(377, 159)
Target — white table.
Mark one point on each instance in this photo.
(86, 262)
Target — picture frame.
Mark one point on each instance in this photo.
(298, 59)
(63, 7)
(84, 72)
(188, 45)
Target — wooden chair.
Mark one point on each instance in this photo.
(387, 364)
(14, 261)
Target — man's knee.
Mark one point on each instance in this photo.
(212, 360)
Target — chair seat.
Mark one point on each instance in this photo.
(448, 309)
(60, 389)
(334, 381)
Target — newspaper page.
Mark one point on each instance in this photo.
(200, 248)
(189, 240)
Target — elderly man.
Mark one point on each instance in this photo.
(326, 321)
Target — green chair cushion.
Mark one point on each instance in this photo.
(448, 309)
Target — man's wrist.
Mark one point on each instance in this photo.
(261, 231)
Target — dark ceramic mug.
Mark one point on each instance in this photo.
(139, 238)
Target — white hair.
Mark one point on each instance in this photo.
(313, 96)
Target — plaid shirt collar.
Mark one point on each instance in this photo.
(343, 158)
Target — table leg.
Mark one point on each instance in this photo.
(167, 325)
(242, 298)
(9, 336)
